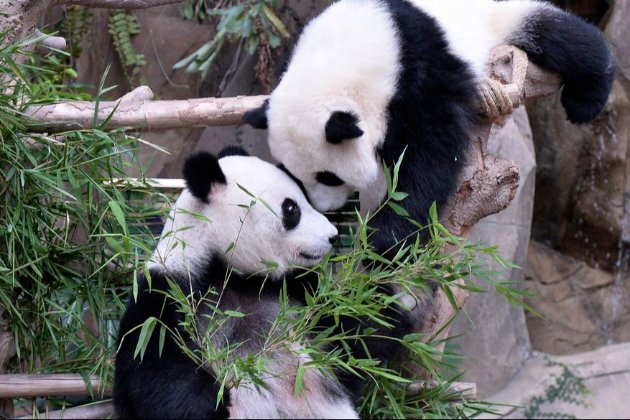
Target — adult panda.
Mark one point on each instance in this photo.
(215, 240)
(370, 78)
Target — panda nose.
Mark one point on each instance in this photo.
(333, 239)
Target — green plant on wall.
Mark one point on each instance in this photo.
(123, 25)
(567, 388)
(75, 24)
(252, 22)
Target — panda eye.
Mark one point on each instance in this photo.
(291, 214)
(329, 179)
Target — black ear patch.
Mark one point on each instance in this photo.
(232, 151)
(257, 118)
(341, 126)
(297, 181)
(201, 170)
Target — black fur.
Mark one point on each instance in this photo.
(342, 126)
(232, 151)
(328, 178)
(291, 214)
(578, 52)
(201, 170)
(297, 181)
(257, 118)
(173, 386)
(166, 386)
(432, 113)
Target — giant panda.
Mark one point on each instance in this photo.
(369, 79)
(216, 240)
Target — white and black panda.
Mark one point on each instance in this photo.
(370, 78)
(214, 233)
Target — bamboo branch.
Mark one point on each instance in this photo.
(38, 385)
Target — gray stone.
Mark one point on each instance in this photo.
(618, 33)
(581, 179)
(605, 372)
(581, 308)
(496, 342)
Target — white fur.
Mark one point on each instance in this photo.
(313, 401)
(347, 59)
(235, 217)
(474, 27)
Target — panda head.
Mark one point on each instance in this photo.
(327, 148)
(327, 118)
(246, 211)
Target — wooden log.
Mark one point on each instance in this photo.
(90, 411)
(508, 66)
(118, 4)
(48, 385)
(142, 114)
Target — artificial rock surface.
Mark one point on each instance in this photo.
(582, 308)
(605, 372)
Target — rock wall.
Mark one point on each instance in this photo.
(581, 226)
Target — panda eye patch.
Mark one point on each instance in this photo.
(291, 214)
(329, 179)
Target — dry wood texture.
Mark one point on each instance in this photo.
(49, 385)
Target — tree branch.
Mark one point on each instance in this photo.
(139, 112)
(487, 184)
(88, 411)
(37, 385)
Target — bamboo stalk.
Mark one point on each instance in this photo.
(44, 385)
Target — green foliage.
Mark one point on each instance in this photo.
(77, 20)
(353, 289)
(252, 22)
(567, 388)
(70, 238)
(123, 25)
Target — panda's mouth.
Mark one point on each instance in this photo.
(308, 256)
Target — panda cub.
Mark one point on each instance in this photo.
(214, 239)
(369, 79)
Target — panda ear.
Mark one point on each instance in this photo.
(342, 125)
(257, 118)
(201, 170)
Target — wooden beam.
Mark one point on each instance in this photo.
(44, 385)
(89, 411)
(142, 114)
